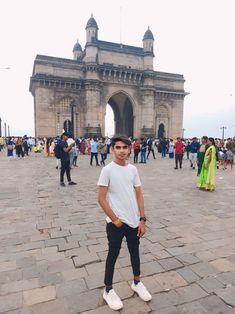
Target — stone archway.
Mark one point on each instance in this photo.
(123, 113)
(161, 130)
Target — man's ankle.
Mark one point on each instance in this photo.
(108, 288)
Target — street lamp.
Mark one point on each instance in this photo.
(183, 132)
(72, 105)
(8, 130)
(5, 129)
(223, 128)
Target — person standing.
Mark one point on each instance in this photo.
(201, 153)
(171, 149)
(103, 151)
(143, 149)
(206, 180)
(136, 148)
(194, 147)
(119, 182)
(179, 152)
(94, 151)
(65, 160)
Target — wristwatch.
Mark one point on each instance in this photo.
(143, 218)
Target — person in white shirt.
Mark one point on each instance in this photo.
(121, 198)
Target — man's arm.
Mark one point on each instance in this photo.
(140, 202)
(68, 149)
(105, 206)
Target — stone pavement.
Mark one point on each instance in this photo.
(53, 241)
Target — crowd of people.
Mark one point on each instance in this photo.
(195, 150)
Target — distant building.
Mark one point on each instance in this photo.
(145, 102)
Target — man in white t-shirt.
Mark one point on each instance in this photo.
(121, 198)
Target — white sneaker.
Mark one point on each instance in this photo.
(141, 290)
(113, 300)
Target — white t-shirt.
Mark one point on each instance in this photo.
(121, 196)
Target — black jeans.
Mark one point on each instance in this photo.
(149, 151)
(136, 154)
(178, 159)
(96, 158)
(65, 167)
(115, 236)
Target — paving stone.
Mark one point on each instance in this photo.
(75, 273)
(11, 275)
(34, 271)
(210, 284)
(95, 268)
(187, 259)
(191, 308)
(59, 234)
(170, 280)
(85, 259)
(85, 301)
(59, 266)
(98, 248)
(135, 305)
(188, 274)
(226, 278)
(11, 302)
(170, 263)
(69, 287)
(223, 265)
(205, 256)
(97, 281)
(68, 246)
(47, 279)
(151, 268)
(190, 293)
(25, 262)
(6, 266)
(52, 307)
(16, 286)
(123, 290)
(151, 284)
(39, 295)
(80, 251)
(55, 242)
(162, 300)
(227, 294)
(203, 269)
(214, 305)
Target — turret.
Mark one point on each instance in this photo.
(91, 30)
(148, 41)
(77, 51)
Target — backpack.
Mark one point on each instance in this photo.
(58, 151)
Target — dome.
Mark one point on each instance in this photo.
(148, 35)
(77, 47)
(91, 22)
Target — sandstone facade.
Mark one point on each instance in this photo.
(145, 102)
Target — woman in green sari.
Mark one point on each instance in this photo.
(206, 179)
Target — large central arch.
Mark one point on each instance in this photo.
(123, 113)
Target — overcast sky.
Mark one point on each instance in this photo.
(193, 38)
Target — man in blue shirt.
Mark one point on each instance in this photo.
(194, 147)
(94, 151)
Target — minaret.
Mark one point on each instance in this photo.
(91, 30)
(91, 48)
(77, 51)
(148, 41)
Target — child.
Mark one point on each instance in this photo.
(120, 183)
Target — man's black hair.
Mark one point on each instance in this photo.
(120, 138)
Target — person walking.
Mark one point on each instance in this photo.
(121, 198)
(150, 147)
(94, 151)
(65, 160)
(179, 152)
(103, 151)
(206, 180)
(171, 149)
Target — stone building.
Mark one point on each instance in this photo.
(145, 102)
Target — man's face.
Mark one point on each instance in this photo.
(204, 141)
(121, 150)
(65, 137)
